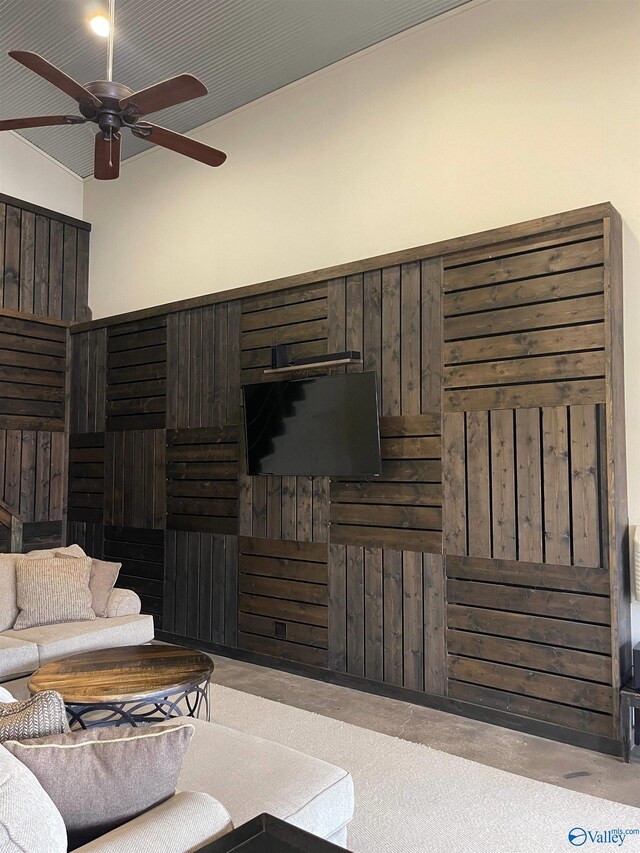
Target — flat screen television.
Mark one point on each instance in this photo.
(327, 426)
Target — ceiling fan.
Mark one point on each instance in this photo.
(114, 107)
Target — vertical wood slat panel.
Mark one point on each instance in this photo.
(355, 611)
(585, 522)
(43, 263)
(503, 485)
(372, 325)
(454, 484)
(412, 620)
(435, 650)
(12, 258)
(231, 591)
(529, 487)
(337, 597)
(557, 521)
(373, 614)
(69, 260)
(390, 403)
(410, 340)
(393, 600)
(56, 248)
(478, 484)
(431, 299)
(27, 261)
(41, 270)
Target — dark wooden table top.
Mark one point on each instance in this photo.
(122, 674)
(268, 834)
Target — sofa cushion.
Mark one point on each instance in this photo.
(250, 775)
(29, 821)
(102, 777)
(187, 821)
(53, 591)
(42, 715)
(17, 655)
(8, 606)
(68, 638)
(101, 582)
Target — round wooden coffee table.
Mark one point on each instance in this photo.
(129, 685)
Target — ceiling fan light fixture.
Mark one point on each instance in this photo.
(100, 25)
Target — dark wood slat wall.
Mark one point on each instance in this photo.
(485, 567)
(282, 603)
(44, 262)
(141, 552)
(202, 479)
(200, 586)
(33, 390)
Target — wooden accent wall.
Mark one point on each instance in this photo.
(44, 267)
(33, 390)
(484, 572)
(44, 261)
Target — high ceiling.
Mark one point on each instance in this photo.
(241, 49)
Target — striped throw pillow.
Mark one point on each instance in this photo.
(53, 590)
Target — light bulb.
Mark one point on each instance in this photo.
(100, 25)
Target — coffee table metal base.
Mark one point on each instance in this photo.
(185, 702)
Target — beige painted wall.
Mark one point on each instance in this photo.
(505, 111)
(30, 174)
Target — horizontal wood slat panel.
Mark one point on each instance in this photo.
(141, 552)
(563, 605)
(490, 348)
(283, 649)
(390, 512)
(141, 402)
(566, 662)
(573, 578)
(540, 629)
(86, 478)
(528, 292)
(526, 706)
(297, 318)
(202, 465)
(570, 256)
(531, 683)
(284, 597)
(33, 363)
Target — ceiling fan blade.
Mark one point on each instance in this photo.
(107, 157)
(176, 90)
(54, 75)
(179, 143)
(39, 121)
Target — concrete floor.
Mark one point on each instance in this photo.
(527, 755)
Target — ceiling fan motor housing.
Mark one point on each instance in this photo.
(109, 116)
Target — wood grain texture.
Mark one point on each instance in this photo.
(122, 674)
(284, 598)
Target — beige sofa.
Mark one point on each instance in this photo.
(227, 778)
(22, 652)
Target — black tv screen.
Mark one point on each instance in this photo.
(326, 426)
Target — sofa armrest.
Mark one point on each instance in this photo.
(123, 602)
(182, 824)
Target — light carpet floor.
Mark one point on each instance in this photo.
(414, 799)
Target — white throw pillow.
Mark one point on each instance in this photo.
(5, 696)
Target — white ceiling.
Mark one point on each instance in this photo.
(241, 49)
